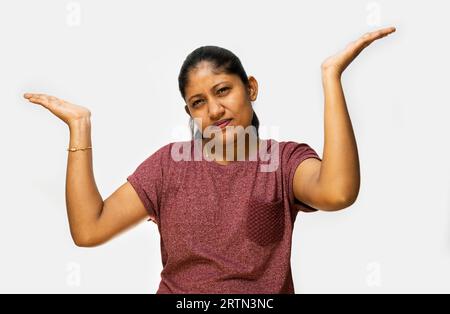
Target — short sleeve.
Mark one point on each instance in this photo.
(292, 155)
(147, 181)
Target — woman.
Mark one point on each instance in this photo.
(225, 224)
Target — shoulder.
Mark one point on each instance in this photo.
(291, 146)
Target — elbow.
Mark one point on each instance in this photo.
(341, 202)
(339, 194)
(345, 202)
(85, 241)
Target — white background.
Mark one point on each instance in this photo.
(121, 60)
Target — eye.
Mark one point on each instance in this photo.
(223, 89)
(194, 104)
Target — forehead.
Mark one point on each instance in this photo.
(205, 76)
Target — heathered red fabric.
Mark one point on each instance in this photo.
(223, 228)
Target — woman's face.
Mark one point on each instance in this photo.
(211, 97)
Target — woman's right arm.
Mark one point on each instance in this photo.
(92, 220)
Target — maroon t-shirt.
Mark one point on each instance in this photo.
(223, 228)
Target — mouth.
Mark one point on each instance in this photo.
(222, 123)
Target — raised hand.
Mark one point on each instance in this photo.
(66, 111)
(339, 62)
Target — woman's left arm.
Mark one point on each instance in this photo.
(333, 183)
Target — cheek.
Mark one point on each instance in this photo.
(245, 115)
(240, 108)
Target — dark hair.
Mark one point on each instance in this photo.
(223, 61)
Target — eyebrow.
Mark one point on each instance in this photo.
(211, 89)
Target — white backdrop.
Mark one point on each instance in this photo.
(121, 60)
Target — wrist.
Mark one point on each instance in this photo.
(80, 133)
(331, 73)
(81, 123)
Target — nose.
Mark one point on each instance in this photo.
(216, 110)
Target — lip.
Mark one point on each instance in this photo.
(222, 123)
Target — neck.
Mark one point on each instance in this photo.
(248, 150)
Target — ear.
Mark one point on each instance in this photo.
(252, 88)
(187, 110)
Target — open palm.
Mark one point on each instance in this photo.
(339, 62)
(66, 111)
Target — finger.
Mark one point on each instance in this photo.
(38, 100)
(50, 98)
(371, 36)
(383, 32)
(42, 96)
(32, 95)
(45, 100)
(389, 30)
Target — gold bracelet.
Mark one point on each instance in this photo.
(75, 149)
